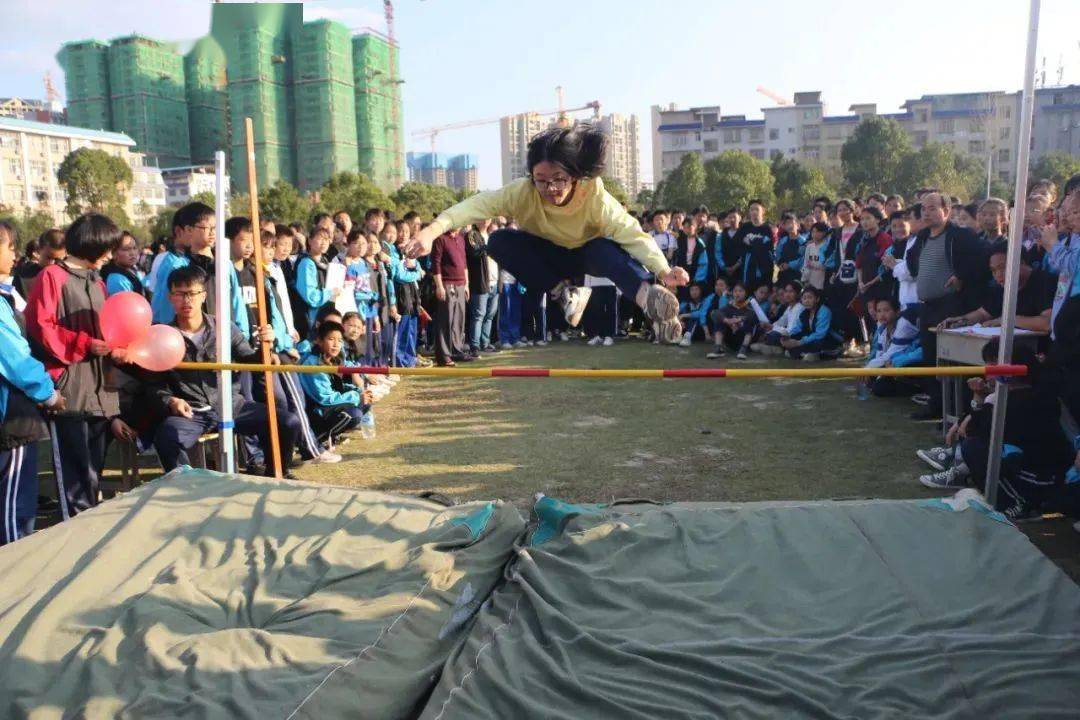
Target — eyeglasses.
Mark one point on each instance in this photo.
(558, 184)
(190, 295)
(208, 228)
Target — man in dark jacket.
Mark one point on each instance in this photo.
(949, 266)
(190, 399)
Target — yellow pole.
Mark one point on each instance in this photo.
(623, 374)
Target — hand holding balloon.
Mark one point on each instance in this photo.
(125, 318)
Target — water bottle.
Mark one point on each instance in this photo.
(367, 425)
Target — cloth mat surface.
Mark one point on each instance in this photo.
(215, 596)
(883, 609)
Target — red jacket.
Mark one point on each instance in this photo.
(61, 320)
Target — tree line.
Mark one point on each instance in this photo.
(877, 157)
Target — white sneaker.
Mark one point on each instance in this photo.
(563, 337)
(757, 347)
(811, 357)
(953, 477)
(574, 300)
(685, 342)
(741, 355)
(596, 340)
(522, 344)
(609, 341)
(540, 343)
(937, 458)
(718, 352)
(327, 458)
(506, 346)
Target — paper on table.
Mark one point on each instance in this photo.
(346, 301)
(762, 318)
(992, 332)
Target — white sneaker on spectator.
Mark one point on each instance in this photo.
(327, 458)
(522, 344)
(507, 346)
(718, 352)
(573, 301)
(596, 340)
(609, 341)
(811, 357)
(741, 355)
(956, 476)
(541, 343)
(563, 337)
(757, 347)
(685, 342)
(937, 458)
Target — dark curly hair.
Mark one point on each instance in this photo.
(581, 149)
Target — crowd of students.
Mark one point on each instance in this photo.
(874, 278)
(879, 278)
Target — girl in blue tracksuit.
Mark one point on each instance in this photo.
(718, 300)
(311, 289)
(23, 385)
(406, 275)
(337, 404)
(693, 314)
(813, 333)
(788, 254)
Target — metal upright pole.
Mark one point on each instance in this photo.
(222, 271)
(1012, 271)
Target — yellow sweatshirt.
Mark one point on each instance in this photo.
(591, 213)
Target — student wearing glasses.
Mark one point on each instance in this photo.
(569, 226)
(190, 222)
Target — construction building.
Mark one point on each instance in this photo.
(31, 154)
(322, 100)
(981, 124)
(624, 152)
(455, 171)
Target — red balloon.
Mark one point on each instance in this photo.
(125, 318)
(160, 349)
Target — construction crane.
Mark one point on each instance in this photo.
(775, 97)
(433, 132)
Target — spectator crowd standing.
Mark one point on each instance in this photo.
(873, 278)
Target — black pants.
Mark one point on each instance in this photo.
(78, 453)
(931, 313)
(176, 435)
(599, 318)
(450, 339)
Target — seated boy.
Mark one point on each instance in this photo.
(895, 344)
(190, 398)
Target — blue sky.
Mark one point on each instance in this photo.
(474, 59)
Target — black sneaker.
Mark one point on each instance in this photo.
(926, 413)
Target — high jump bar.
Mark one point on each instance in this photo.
(625, 374)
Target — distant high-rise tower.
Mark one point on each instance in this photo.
(149, 99)
(624, 151)
(515, 131)
(208, 100)
(321, 100)
(377, 93)
(86, 67)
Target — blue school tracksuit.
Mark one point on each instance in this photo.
(817, 337)
(708, 306)
(405, 333)
(160, 307)
(333, 399)
(902, 348)
(309, 287)
(789, 250)
(19, 372)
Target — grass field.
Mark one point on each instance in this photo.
(586, 440)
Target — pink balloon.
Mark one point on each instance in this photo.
(125, 318)
(160, 349)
